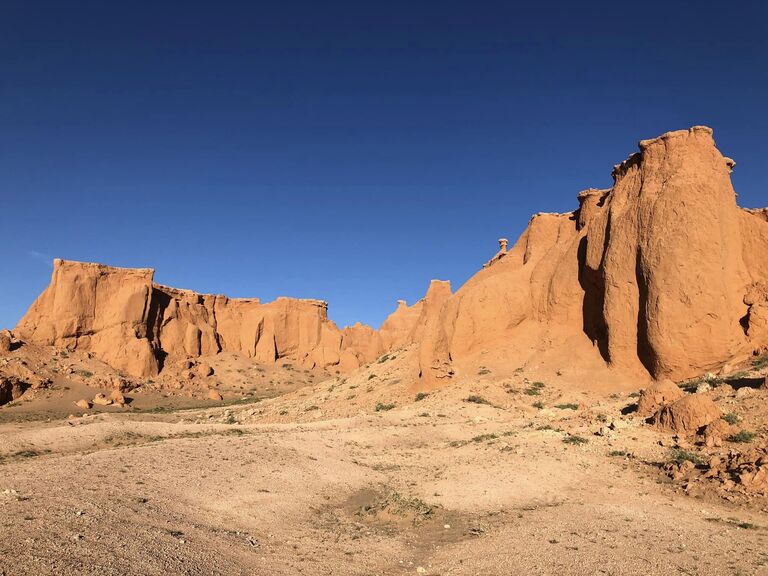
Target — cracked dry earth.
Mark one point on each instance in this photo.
(431, 488)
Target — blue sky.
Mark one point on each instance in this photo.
(349, 151)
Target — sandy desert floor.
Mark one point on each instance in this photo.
(436, 486)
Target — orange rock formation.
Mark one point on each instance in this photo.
(139, 327)
(661, 275)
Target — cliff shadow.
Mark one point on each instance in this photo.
(644, 349)
(158, 303)
(593, 284)
(745, 382)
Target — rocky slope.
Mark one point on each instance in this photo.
(662, 275)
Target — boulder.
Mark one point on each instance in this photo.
(656, 396)
(215, 395)
(101, 400)
(687, 415)
(117, 398)
(10, 389)
(83, 404)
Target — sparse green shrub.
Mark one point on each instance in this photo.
(399, 505)
(743, 436)
(576, 440)
(680, 456)
(731, 418)
(84, 373)
(484, 437)
(381, 407)
(29, 453)
(421, 395)
(539, 405)
(475, 399)
(568, 406)
(535, 389)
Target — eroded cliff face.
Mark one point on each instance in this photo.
(139, 327)
(96, 308)
(661, 274)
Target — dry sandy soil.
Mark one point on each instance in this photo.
(355, 476)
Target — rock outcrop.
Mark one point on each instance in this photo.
(10, 389)
(656, 396)
(139, 327)
(662, 274)
(687, 415)
(397, 329)
(6, 341)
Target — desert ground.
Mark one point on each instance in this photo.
(355, 475)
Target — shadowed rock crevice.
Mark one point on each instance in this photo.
(593, 285)
(644, 347)
(157, 304)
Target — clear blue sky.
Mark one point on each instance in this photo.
(349, 151)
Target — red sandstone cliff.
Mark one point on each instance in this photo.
(138, 327)
(662, 275)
